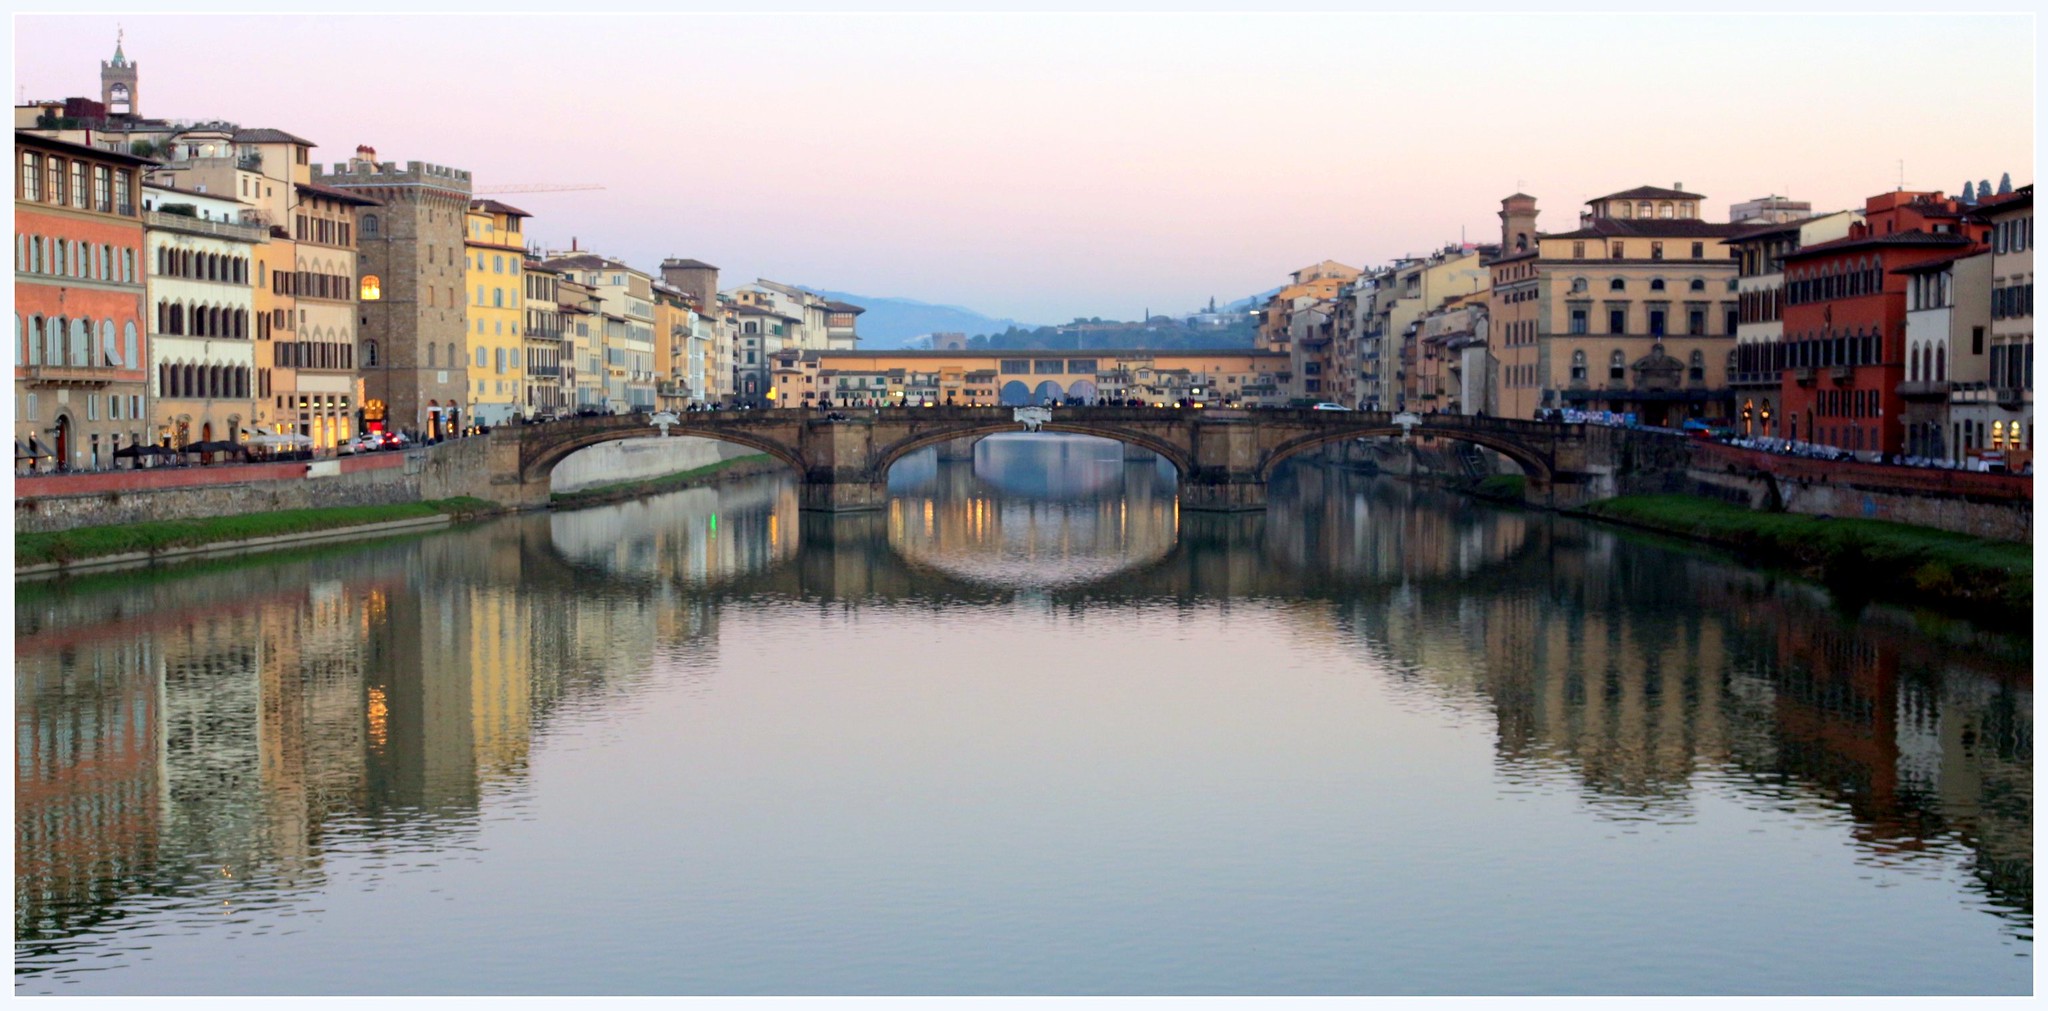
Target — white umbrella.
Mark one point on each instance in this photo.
(281, 440)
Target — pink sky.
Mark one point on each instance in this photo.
(1049, 166)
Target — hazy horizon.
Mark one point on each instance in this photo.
(1047, 166)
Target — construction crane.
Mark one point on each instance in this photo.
(534, 188)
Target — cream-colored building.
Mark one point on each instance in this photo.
(540, 336)
(2000, 414)
(1948, 322)
(1634, 311)
(201, 262)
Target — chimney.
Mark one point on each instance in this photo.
(1678, 186)
(572, 243)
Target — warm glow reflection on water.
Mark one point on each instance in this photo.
(1029, 730)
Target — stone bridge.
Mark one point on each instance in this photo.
(1223, 457)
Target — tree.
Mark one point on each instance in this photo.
(2005, 184)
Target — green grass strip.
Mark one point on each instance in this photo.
(1991, 578)
(651, 486)
(158, 535)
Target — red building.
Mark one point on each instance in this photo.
(81, 342)
(1844, 352)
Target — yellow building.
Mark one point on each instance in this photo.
(495, 242)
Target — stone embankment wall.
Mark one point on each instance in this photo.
(446, 470)
(63, 502)
(639, 460)
(1998, 506)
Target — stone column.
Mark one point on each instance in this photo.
(840, 475)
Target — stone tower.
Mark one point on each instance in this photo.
(118, 83)
(419, 321)
(694, 277)
(1517, 224)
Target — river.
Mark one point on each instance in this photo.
(1032, 730)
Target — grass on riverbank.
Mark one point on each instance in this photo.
(1870, 558)
(1502, 487)
(653, 486)
(159, 535)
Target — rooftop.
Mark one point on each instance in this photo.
(269, 136)
(1649, 193)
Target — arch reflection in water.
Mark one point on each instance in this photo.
(283, 733)
(1033, 511)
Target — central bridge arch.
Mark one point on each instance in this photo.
(887, 455)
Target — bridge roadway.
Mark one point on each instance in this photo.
(1223, 457)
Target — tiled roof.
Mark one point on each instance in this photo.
(843, 307)
(1651, 228)
(1914, 237)
(1649, 193)
(688, 264)
(38, 140)
(1938, 263)
(495, 207)
(345, 196)
(269, 136)
(585, 261)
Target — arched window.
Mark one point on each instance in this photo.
(35, 340)
(1579, 363)
(1656, 284)
(1731, 363)
(1626, 209)
(1644, 209)
(372, 288)
(1617, 365)
(110, 352)
(81, 343)
(369, 225)
(128, 347)
(432, 349)
(1940, 365)
(453, 358)
(1578, 284)
(1696, 367)
(1664, 209)
(1521, 242)
(1617, 285)
(19, 352)
(1698, 284)
(369, 354)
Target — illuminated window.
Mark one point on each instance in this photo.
(373, 288)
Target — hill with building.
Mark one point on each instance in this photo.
(894, 322)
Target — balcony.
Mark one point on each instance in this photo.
(68, 375)
(1803, 376)
(1842, 373)
(201, 226)
(1924, 391)
(2014, 397)
(673, 390)
(544, 371)
(543, 334)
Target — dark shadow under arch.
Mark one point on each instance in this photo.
(1533, 464)
(542, 467)
(886, 456)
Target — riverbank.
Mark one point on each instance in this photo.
(724, 470)
(1985, 579)
(38, 553)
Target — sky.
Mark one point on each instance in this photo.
(1047, 166)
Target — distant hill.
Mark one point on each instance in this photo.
(890, 323)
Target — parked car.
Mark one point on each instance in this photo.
(1328, 406)
(366, 442)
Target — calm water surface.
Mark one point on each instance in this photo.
(1029, 731)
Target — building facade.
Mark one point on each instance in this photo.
(80, 345)
(201, 254)
(412, 278)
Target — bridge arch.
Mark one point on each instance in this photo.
(886, 455)
(1534, 463)
(540, 465)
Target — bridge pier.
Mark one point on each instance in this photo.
(1228, 496)
(958, 450)
(829, 496)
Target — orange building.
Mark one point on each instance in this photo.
(80, 328)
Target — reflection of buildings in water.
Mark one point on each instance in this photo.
(1638, 673)
(87, 782)
(1344, 523)
(963, 525)
(696, 535)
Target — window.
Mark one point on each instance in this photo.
(1578, 321)
(110, 352)
(372, 288)
(1696, 367)
(1696, 322)
(31, 176)
(370, 224)
(1578, 250)
(1617, 285)
(78, 183)
(1617, 366)
(482, 361)
(1578, 285)
(1656, 250)
(1617, 321)
(1579, 365)
(1699, 250)
(1656, 322)
(103, 188)
(1656, 284)
(1698, 284)
(1615, 252)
